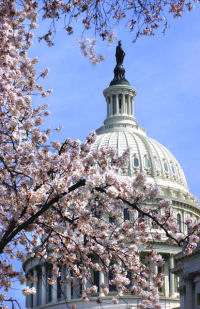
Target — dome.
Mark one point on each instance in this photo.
(147, 155)
(121, 131)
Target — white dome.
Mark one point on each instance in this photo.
(121, 131)
(147, 155)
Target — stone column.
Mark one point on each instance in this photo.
(129, 105)
(107, 99)
(188, 294)
(166, 278)
(171, 276)
(117, 104)
(35, 286)
(101, 281)
(83, 287)
(111, 105)
(43, 287)
(123, 103)
(68, 290)
(54, 289)
(155, 269)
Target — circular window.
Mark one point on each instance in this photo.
(136, 162)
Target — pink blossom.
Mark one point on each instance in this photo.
(50, 281)
(115, 301)
(27, 291)
(59, 196)
(85, 298)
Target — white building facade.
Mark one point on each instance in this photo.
(187, 268)
(120, 130)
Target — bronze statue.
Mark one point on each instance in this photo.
(119, 54)
(119, 71)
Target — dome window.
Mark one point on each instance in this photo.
(173, 169)
(157, 164)
(136, 162)
(147, 162)
(166, 167)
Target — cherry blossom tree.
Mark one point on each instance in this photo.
(99, 18)
(57, 198)
(141, 17)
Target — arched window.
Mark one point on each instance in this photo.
(157, 164)
(136, 162)
(166, 167)
(147, 162)
(179, 221)
(173, 169)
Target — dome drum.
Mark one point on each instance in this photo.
(119, 100)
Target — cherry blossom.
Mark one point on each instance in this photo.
(62, 202)
(51, 281)
(100, 18)
(28, 291)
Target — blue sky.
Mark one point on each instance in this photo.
(165, 70)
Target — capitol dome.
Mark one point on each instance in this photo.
(121, 131)
(147, 155)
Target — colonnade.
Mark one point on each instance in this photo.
(46, 293)
(119, 104)
(54, 293)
